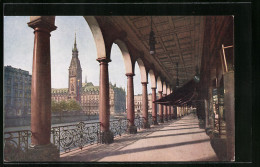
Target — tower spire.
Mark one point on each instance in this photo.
(75, 44)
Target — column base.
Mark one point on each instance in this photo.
(146, 125)
(47, 152)
(161, 120)
(155, 123)
(107, 137)
(132, 129)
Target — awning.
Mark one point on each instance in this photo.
(180, 96)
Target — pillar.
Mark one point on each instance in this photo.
(130, 104)
(229, 105)
(175, 112)
(170, 112)
(107, 136)
(206, 114)
(165, 110)
(41, 148)
(154, 107)
(145, 106)
(160, 108)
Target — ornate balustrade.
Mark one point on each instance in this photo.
(118, 127)
(66, 138)
(16, 145)
(75, 136)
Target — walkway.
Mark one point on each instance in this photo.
(180, 140)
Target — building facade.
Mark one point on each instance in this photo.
(138, 103)
(86, 93)
(17, 92)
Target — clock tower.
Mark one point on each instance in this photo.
(75, 75)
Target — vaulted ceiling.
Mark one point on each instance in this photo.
(178, 39)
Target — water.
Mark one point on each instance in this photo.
(18, 128)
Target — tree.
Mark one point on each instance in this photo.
(62, 106)
(55, 106)
(74, 105)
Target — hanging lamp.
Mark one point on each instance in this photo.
(152, 41)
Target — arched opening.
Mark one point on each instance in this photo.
(140, 76)
(117, 75)
(73, 32)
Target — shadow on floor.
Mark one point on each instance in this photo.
(178, 134)
(179, 129)
(101, 153)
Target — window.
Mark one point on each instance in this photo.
(9, 81)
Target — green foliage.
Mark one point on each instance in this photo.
(61, 106)
(73, 105)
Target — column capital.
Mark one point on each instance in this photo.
(103, 60)
(153, 88)
(144, 83)
(130, 74)
(41, 22)
(159, 91)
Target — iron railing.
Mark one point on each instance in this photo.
(66, 138)
(75, 136)
(16, 145)
(118, 127)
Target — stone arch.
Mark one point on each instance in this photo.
(152, 78)
(159, 84)
(98, 37)
(142, 70)
(164, 88)
(168, 90)
(94, 27)
(126, 56)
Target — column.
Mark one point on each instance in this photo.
(41, 148)
(165, 111)
(145, 106)
(107, 136)
(175, 112)
(130, 104)
(160, 108)
(170, 112)
(229, 105)
(154, 107)
(210, 109)
(206, 114)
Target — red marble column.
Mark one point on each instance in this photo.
(41, 149)
(165, 110)
(145, 105)
(130, 104)
(104, 113)
(160, 108)
(170, 112)
(154, 107)
(41, 83)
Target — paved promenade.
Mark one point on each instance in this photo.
(179, 140)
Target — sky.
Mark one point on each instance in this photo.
(18, 51)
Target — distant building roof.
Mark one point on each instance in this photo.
(60, 90)
(16, 70)
(89, 87)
